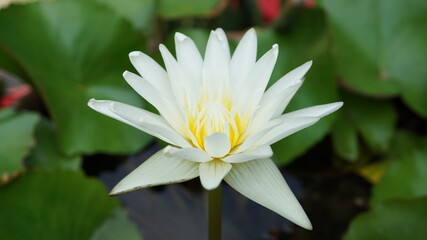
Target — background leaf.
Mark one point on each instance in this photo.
(138, 12)
(375, 120)
(59, 205)
(345, 139)
(381, 53)
(117, 227)
(184, 8)
(398, 219)
(406, 175)
(46, 153)
(74, 57)
(16, 139)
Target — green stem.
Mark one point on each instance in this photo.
(214, 213)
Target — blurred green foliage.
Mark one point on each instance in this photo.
(371, 54)
(50, 206)
(390, 220)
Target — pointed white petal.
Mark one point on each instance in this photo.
(269, 107)
(243, 59)
(212, 173)
(217, 144)
(262, 182)
(297, 120)
(151, 71)
(315, 111)
(223, 37)
(145, 121)
(145, 89)
(254, 86)
(156, 98)
(182, 86)
(290, 79)
(280, 94)
(215, 71)
(264, 151)
(191, 154)
(189, 58)
(157, 170)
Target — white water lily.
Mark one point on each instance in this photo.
(217, 118)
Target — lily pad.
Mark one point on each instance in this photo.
(117, 227)
(16, 139)
(375, 120)
(392, 220)
(59, 205)
(10, 66)
(306, 40)
(184, 8)
(74, 57)
(406, 175)
(345, 139)
(138, 12)
(46, 153)
(381, 52)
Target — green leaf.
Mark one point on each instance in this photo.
(406, 175)
(374, 119)
(78, 51)
(16, 139)
(184, 8)
(138, 12)
(117, 227)
(306, 40)
(46, 153)
(397, 219)
(8, 64)
(53, 205)
(344, 139)
(381, 53)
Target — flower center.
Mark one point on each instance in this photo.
(215, 115)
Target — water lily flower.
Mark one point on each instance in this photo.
(218, 118)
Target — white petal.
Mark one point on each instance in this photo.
(268, 107)
(151, 71)
(167, 108)
(157, 170)
(278, 96)
(285, 88)
(243, 59)
(262, 182)
(212, 173)
(217, 144)
(191, 154)
(181, 86)
(290, 79)
(189, 58)
(143, 88)
(145, 121)
(254, 138)
(223, 37)
(315, 111)
(297, 120)
(254, 86)
(215, 72)
(264, 151)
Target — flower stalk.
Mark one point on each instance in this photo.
(214, 213)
